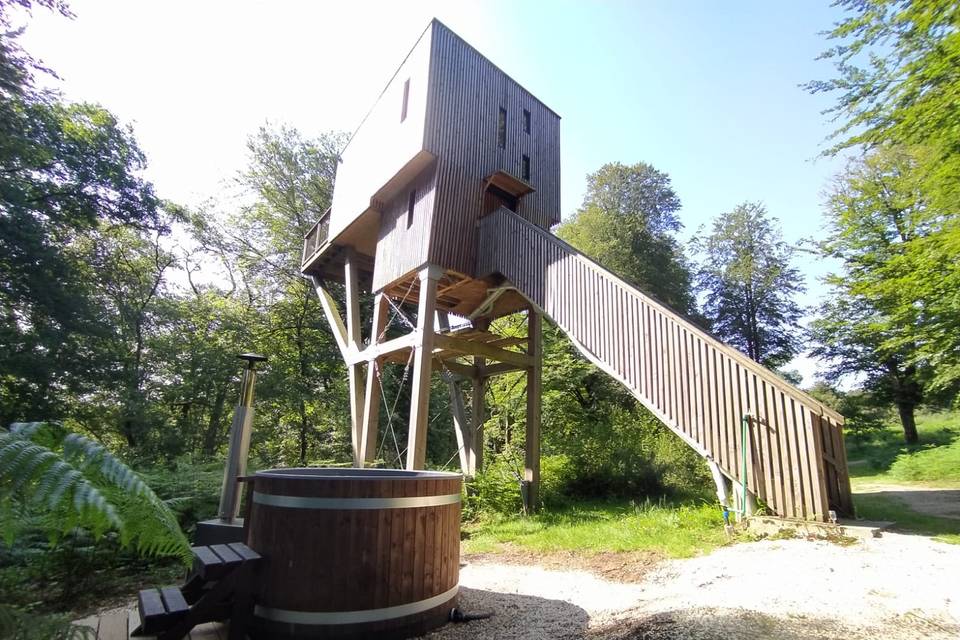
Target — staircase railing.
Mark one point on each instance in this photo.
(698, 386)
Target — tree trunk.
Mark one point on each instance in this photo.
(909, 422)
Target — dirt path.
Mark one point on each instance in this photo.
(891, 588)
(933, 501)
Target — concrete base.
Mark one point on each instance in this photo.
(857, 529)
(217, 531)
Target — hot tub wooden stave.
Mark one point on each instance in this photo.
(355, 553)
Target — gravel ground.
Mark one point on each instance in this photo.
(890, 588)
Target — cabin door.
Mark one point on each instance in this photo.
(494, 198)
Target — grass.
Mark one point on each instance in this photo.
(879, 507)
(676, 530)
(884, 457)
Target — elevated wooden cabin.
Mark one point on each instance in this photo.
(443, 202)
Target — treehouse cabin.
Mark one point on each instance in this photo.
(443, 205)
(451, 139)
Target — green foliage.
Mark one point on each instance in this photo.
(871, 506)
(883, 457)
(864, 415)
(75, 482)
(897, 84)
(750, 287)
(873, 325)
(17, 624)
(677, 530)
(627, 222)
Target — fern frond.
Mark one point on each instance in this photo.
(83, 484)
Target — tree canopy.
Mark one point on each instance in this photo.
(750, 286)
(628, 222)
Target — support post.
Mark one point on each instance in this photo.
(532, 449)
(422, 366)
(354, 371)
(371, 400)
(461, 427)
(477, 416)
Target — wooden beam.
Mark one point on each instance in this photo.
(461, 427)
(422, 365)
(377, 351)
(333, 316)
(371, 400)
(531, 472)
(462, 370)
(469, 347)
(500, 369)
(354, 371)
(507, 341)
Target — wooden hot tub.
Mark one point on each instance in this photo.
(354, 552)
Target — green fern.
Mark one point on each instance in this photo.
(76, 482)
(25, 625)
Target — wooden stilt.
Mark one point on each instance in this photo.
(461, 427)
(354, 371)
(371, 400)
(333, 316)
(422, 368)
(532, 450)
(477, 417)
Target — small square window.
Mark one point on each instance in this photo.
(411, 203)
(502, 128)
(406, 100)
(525, 168)
(526, 121)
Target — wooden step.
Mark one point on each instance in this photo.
(213, 562)
(160, 609)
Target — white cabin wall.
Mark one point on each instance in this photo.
(383, 144)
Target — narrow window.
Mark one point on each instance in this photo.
(406, 99)
(525, 168)
(526, 121)
(502, 128)
(411, 202)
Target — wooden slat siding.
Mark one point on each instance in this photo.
(788, 446)
(465, 95)
(781, 484)
(772, 448)
(699, 387)
(401, 249)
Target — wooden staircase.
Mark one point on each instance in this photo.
(696, 385)
(218, 587)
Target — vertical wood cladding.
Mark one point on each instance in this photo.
(696, 385)
(404, 239)
(465, 97)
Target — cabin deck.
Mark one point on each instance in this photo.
(118, 624)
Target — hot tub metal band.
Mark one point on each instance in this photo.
(353, 617)
(300, 502)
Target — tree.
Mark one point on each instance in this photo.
(627, 223)
(897, 83)
(290, 178)
(66, 170)
(750, 286)
(872, 325)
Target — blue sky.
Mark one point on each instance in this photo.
(706, 91)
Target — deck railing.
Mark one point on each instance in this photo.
(695, 384)
(316, 237)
